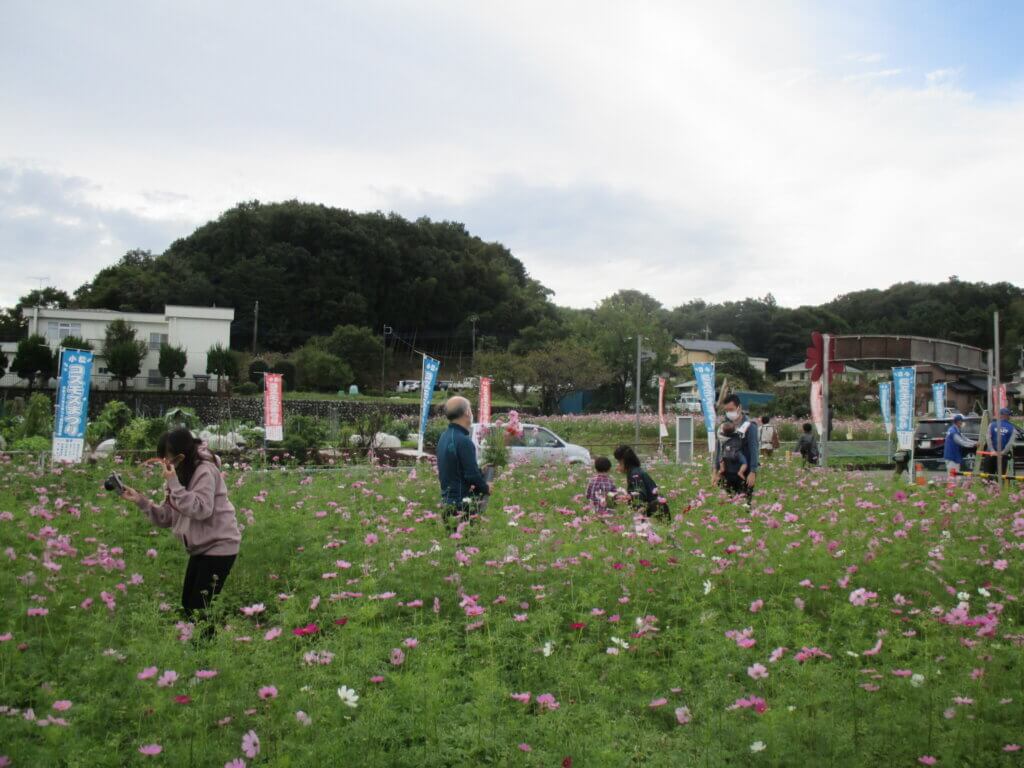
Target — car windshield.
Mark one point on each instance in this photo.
(932, 428)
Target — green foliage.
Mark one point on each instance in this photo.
(303, 437)
(361, 350)
(435, 428)
(563, 367)
(495, 447)
(3, 363)
(122, 353)
(113, 418)
(319, 370)
(246, 388)
(172, 363)
(182, 416)
(400, 428)
(256, 370)
(509, 371)
(140, 436)
(33, 360)
(287, 370)
(38, 419)
(35, 443)
(75, 342)
(222, 363)
(736, 365)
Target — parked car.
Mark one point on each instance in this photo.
(930, 439)
(408, 385)
(688, 404)
(541, 445)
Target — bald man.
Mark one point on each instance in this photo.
(464, 489)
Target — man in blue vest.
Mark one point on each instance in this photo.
(1002, 436)
(464, 488)
(953, 451)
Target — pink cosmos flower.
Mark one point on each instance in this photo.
(683, 715)
(272, 634)
(777, 654)
(522, 698)
(873, 651)
(167, 679)
(37, 611)
(151, 749)
(757, 671)
(520, 617)
(309, 629)
(902, 672)
(658, 703)
(250, 744)
(237, 762)
(757, 605)
(547, 701)
(410, 642)
(862, 596)
(206, 674)
(182, 699)
(927, 760)
(397, 657)
(1001, 565)
(1012, 748)
(371, 539)
(268, 692)
(62, 706)
(147, 673)
(253, 610)
(303, 718)
(524, 747)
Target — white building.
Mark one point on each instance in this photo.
(795, 375)
(195, 329)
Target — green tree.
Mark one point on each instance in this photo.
(3, 363)
(563, 367)
(172, 363)
(319, 370)
(509, 371)
(736, 365)
(360, 348)
(221, 362)
(122, 352)
(33, 359)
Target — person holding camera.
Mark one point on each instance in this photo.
(197, 510)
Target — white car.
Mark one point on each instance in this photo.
(540, 445)
(408, 385)
(688, 404)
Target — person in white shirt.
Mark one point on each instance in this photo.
(769, 437)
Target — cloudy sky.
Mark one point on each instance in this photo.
(691, 150)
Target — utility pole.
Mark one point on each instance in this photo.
(473, 319)
(388, 330)
(636, 385)
(997, 405)
(255, 323)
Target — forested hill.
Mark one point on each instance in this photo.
(313, 267)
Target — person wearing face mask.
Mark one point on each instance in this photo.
(197, 510)
(741, 442)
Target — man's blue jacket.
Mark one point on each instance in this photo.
(457, 469)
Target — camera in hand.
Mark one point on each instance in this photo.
(114, 483)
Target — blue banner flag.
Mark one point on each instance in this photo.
(885, 403)
(704, 373)
(904, 382)
(72, 405)
(429, 378)
(939, 398)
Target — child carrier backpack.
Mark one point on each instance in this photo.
(732, 448)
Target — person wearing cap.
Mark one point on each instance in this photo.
(1002, 435)
(953, 451)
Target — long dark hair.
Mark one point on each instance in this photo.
(177, 441)
(627, 456)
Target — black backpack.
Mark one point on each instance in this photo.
(732, 448)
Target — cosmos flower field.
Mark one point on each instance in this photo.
(842, 621)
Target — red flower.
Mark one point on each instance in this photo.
(566, 762)
(578, 625)
(309, 629)
(342, 621)
(645, 563)
(182, 699)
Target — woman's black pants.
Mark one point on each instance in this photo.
(204, 579)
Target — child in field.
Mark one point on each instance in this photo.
(807, 446)
(733, 463)
(600, 485)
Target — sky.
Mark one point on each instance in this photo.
(690, 150)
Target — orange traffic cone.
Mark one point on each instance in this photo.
(919, 474)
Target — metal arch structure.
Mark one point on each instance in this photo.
(910, 349)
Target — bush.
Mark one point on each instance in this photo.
(399, 428)
(114, 417)
(435, 428)
(253, 436)
(141, 435)
(38, 419)
(180, 416)
(303, 436)
(247, 388)
(35, 443)
(320, 370)
(288, 370)
(256, 370)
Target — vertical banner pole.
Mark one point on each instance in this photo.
(662, 426)
(826, 338)
(636, 384)
(427, 379)
(997, 405)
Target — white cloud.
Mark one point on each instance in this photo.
(685, 151)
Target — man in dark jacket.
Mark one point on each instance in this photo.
(464, 488)
(743, 440)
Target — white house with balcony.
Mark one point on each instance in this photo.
(195, 329)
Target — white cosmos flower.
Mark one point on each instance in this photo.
(707, 586)
(964, 596)
(917, 680)
(758, 746)
(621, 643)
(548, 649)
(348, 697)
(984, 592)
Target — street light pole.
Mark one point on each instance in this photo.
(636, 384)
(473, 319)
(387, 330)
(255, 324)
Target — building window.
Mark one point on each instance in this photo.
(58, 330)
(155, 379)
(156, 339)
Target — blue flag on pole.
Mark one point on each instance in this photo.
(885, 403)
(429, 378)
(704, 373)
(72, 405)
(939, 398)
(904, 382)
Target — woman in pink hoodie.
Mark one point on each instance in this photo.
(197, 510)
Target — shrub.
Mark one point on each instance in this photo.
(399, 428)
(303, 436)
(38, 419)
(35, 443)
(320, 370)
(256, 370)
(180, 416)
(247, 388)
(286, 368)
(141, 435)
(114, 417)
(435, 428)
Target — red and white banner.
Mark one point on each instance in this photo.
(484, 416)
(663, 427)
(273, 408)
(999, 397)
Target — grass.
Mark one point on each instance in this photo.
(616, 616)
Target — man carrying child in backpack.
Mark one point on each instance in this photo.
(737, 451)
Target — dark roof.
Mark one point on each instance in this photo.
(712, 346)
